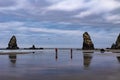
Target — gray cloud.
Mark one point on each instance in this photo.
(79, 11)
(54, 18)
(6, 3)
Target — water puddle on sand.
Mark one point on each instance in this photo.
(60, 65)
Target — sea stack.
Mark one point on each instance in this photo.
(13, 43)
(87, 42)
(117, 43)
(33, 47)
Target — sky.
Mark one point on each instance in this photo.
(59, 23)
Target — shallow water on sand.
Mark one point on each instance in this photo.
(63, 65)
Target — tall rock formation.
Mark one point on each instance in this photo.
(87, 42)
(13, 43)
(117, 43)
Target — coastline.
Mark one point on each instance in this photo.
(27, 50)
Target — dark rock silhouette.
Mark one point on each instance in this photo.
(13, 43)
(113, 46)
(33, 47)
(102, 50)
(117, 43)
(87, 42)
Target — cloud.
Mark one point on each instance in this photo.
(63, 21)
(93, 5)
(67, 5)
(56, 31)
(24, 27)
(99, 6)
(10, 25)
(15, 5)
(5, 3)
(113, 18)
(83, 9)
(69, 11)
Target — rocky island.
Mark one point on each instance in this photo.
(13, 43)
(87, 42)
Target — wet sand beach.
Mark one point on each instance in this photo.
(63, 65)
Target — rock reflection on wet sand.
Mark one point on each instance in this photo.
(13, 58)
(60, 65)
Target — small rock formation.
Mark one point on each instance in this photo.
(87, 42)
(33, 47)
(117, 43)
(102, 50)
(13, 43)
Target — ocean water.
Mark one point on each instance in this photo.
(62, 65)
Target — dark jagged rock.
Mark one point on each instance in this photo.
(87, 42)
(102, 50)
(33, 47)
(117, 43)
(13, 43)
